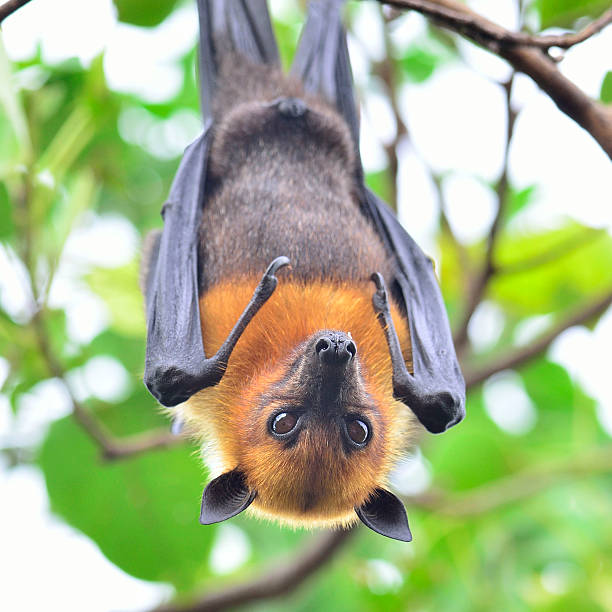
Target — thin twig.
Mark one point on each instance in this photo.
(513, 359)
(386, 72)
(8, 8)
(275, 582)
(480, 283)
(593, 116)
(112, 448)
(516, 487)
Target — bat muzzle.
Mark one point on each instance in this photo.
(335, 349)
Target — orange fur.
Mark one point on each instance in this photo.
(314, 482)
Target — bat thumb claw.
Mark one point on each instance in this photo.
(277, 264)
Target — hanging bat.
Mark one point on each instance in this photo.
(298, 326)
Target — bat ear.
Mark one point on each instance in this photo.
(385, 514)
(224, 497)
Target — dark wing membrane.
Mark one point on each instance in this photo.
(174, 338)
(245, 26)
(436, 369)
(322, 62)
(175, 365)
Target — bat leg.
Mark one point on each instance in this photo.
(436, 410)
(216, 365)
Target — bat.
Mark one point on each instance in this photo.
(292, 323)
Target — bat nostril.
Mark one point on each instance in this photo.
(322, 345)
(291, 108)
(336, 348)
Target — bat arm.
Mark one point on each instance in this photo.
(172, 385)
(262, 293)
(436, 410)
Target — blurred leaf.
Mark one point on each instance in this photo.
(7, 225)
(518, 200)
(9, 99)
(564, 13)
(476, 453)
(606, 88)
(418, 64)
(549, 386)
(118, 287)
(142, 512)
(144, 12)
(380, 184)
(80, 195)
(561, 281)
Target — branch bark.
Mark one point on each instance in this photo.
(513, 359)
(594, 117)
(472, 25)
(8, 8)
(273, 582)
(112, 448)
(515, 488)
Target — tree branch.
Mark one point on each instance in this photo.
(8, 8)
(514, 488)
(479, 284)
(594, 117)
(513, 359)
(112, 448)
(472, 25)
(274, 582)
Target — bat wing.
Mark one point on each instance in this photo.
(175, 360)
(322, 62)
(436, 370)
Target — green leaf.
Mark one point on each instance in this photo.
(564, 13)
(10, 101)
(418, 64)
(574, 261)
(606, 88)
(474, 454)
(7, 225)
(549, 386)
(142, 512)
(380, 184)
(118, 287)
(144, 12)
(518, 200)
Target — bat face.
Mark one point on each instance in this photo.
(314, 427)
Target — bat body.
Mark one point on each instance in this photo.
(303, 394)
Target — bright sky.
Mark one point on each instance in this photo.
(456, 121)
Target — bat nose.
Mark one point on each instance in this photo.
(292, 108)
(335, 348)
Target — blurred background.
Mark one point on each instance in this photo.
(510, 510)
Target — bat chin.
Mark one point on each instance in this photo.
(315, 519)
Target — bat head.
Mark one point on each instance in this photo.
(312, 445)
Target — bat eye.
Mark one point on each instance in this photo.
(283, 423)
(358, 431)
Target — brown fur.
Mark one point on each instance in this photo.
(280, 185)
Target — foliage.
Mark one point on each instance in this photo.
(64, 154)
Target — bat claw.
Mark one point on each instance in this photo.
(380, 299)
(276, 265)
